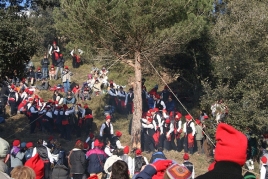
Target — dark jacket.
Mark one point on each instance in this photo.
(45, 62)
(223, 170)
(60, 172)
(77, 161)
(157, 155)
(60, 62)
(96, 159)
(147, 173)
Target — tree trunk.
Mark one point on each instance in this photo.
(136, 124)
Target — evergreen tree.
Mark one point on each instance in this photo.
(140, 28)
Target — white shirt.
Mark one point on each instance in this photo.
(112, 92)
(162, 103)
(121, 94)
(79, 51)
(57, 49)
(171, 129)
(50, 157)
(103, 127)
(108, 151)
(191, 125)
(179, 126)
(263, 172)
(160, 123)
(118, 145)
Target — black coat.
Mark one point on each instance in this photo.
(77, 161)
(60, 172)
(223, 170)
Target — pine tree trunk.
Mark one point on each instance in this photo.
(136, 124)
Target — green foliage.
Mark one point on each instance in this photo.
(17, 42)
(240, 62)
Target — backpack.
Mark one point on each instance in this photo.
(139, 162)
(28, 153)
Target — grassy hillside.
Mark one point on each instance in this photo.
(16, 127)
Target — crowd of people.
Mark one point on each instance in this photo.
(102, 155)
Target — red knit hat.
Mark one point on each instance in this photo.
(118, 133)
(16, 142)
(29, 145)
(37, 165)
(96, 143)
(108, 117)
(138, 152)
(86, 146)
(150, 119)
(264, 159)
(178, 116)
(198, 121)
(186, 156)
(188, 117)
(231, 145)
(148, 114)
(126, 150)
(93, 177)
(167, 121)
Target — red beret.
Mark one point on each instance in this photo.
(231, 145)
(16, 142)
(126, 150)
(13, 86)
(29, 144)
(138, 152)
(188, 117)
(186, 156)
(178, 116)
(108, 117)
(66, 67)
(118, 133)
(150, 119)
(168, 121)
(96, 143)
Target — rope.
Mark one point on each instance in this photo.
(25, 126)
(187, 110)
(177, 98)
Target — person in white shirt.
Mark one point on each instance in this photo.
(108, 150)
(169, 134)
(178, 130)
(107, 130)
(116, 140)
(110, 161)
(189, 131)
(263, 167)
(149, 131)
(126, 158)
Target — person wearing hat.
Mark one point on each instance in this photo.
(230, 154)
(52, 72)
(189, 132)
(96, 159)
(158, 155)
(159, 103)
(60, 65)
(37, 165)
(45, 63)
(38, 74)
(168, 135)
(126, 158)
(148, 132)
(188, 164)
(107, 130)
(66, 78)
(158, 122)
(115, 142)
(199, 135)
(16, 155)
(178, 130)
(139, 161)
(263, 171)
(29, 150)
(54, 52)
(129, 101)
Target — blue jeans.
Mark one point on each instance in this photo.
(66, 86)
(44, 72)
(57, 70)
